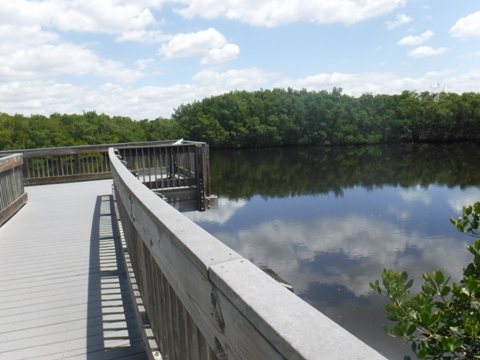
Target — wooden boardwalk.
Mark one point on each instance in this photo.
(64, 292)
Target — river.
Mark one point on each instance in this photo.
(329, 220)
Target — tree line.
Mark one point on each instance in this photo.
(267, 118)
(38, 131)
(290, 117)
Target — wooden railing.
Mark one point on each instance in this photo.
(177, 172)
(204, 301)
(12, 193)
(65, 164)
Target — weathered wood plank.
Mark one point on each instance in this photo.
(10, 162)
(12, 194)
(67, 178)
(10, 210)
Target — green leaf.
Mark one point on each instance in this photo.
(398, 331)
(476, 244)
(410, 330)
(445, 344)
(428, 279)
(425, 317)
(472, 285)
(476, 207)
(387, 329)
(476, 261)
(375, 287)
(439, 277)
(422, 350)
(472, 249)
(409, 284)
(470, 330)
(445, 291)
(451, 343)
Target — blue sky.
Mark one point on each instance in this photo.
(145, 58)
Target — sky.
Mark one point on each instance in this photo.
(145, 58)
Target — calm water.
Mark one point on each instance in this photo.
(330, 220)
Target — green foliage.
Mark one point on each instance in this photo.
(287, 117)
(267, 118)
(37, 131)
(441, 321)
(468, 223)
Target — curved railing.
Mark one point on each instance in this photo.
(204, 301)
(12, 193)
(176, 170)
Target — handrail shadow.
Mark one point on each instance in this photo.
(112, 329)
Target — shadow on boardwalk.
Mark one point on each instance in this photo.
(112, 330)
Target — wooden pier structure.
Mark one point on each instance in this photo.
(91, 274)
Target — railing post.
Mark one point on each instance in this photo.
(200, 175)
(76, 164)
(12, 193)
(26, 169)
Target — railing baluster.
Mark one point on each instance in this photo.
(163, 165)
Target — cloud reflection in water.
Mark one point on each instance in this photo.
(330, 258)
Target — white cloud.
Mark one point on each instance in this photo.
(467, 27)
(250, 78)
(48, 97)
(353, 84)
(29, 62)
(401, 20)
(385, 83)
(143, 64)
(416, 40)
(14, 37)
(208, 44)
(142, 36)
(129, 20)
(273, 13)
(28, 52)
(219, 55)
(149, 102)
(424, 51)
(462, 82)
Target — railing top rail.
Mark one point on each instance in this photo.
(10, 156)
(84, 149)
(10, 161)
